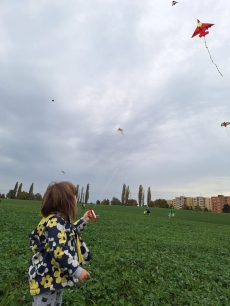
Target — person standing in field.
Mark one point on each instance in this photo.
(172, 211)
(148, 211)
(58, 250)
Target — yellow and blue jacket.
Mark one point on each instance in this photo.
(58, 253)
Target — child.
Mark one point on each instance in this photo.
(148, 211)
(58, 250)
(172, 212)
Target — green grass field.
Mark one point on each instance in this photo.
(137, 259)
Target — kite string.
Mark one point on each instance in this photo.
(227, 132)
(119, 165)
(211, 57)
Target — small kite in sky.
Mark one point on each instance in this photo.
(53, 100)
(63, 172)
(174, 2)
(201, 29)
(225, 123)
(120, 130)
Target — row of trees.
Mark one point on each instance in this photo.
(126, 199)
(161, 203)
(18, 193)
(82, 197)
(116, 201)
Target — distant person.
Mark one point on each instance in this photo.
(169, 215)
(172, 212)
(148, 211)
(58, 250)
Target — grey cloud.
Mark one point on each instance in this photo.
(111, 64)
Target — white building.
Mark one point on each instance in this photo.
(179, 202)
(199, 201)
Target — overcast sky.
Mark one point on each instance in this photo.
(112, 64)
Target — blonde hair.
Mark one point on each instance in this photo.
(60, 198)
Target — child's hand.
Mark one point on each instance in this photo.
(87, 215)
(84, 275)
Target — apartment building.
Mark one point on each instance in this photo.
(179, 202)
(199, 201)
(207, 203)
(189, 202)
(218, 202)
(173, 202)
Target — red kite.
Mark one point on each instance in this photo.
(225, 124)
(201, 28)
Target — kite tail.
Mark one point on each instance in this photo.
(211, 57)
(227, 132)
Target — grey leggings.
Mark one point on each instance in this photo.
(49, 298)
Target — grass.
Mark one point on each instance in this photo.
(137, 259)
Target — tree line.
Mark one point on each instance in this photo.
(18, 193)
(126, 199)
(82, 197)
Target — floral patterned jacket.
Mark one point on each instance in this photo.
(56, 244)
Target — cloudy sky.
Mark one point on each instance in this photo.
(112, 64)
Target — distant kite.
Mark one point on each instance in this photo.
(53, 100)
(120, 130)
(174, 2)
(63, 172)
(201, 29)
(225, 124)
